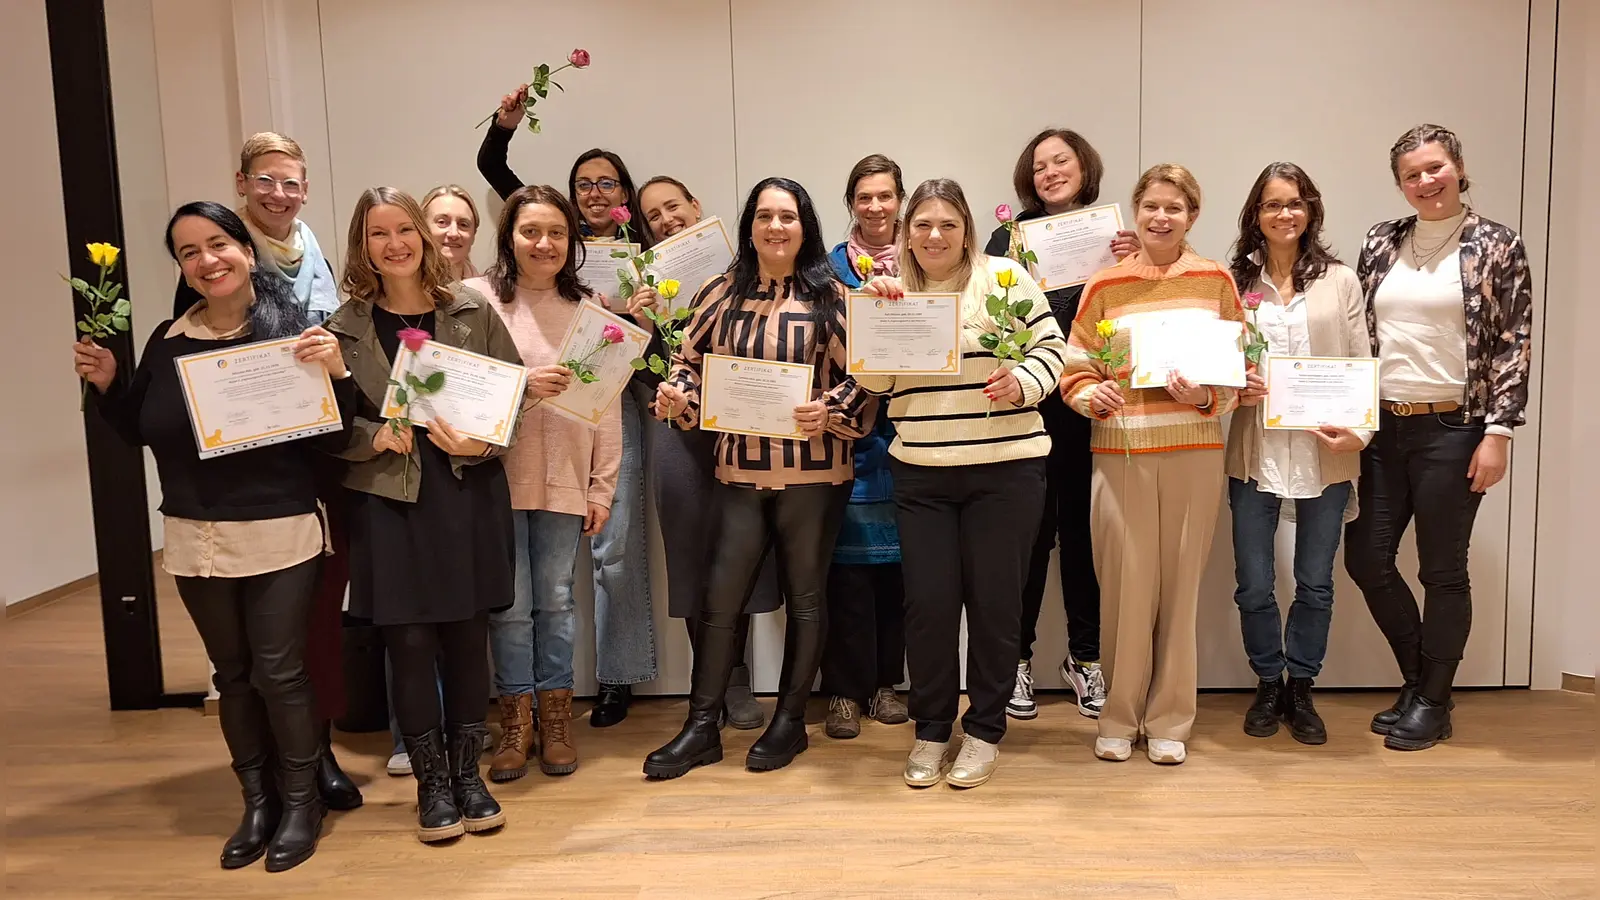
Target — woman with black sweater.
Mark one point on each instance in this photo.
(243, 540)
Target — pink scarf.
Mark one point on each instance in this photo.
(885, 260)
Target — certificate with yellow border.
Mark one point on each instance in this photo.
(919, 334)
(601, 271)
(611, 364)
(752, 396)
(1203, 349)
(480, 396)
(253, 395)
(1073, 245)
(692, 257)
(1312, 391)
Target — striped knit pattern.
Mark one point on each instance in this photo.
(945, 420)
(1151, 421)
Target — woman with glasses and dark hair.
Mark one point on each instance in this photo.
(624, 630)
(1449, 308)
(780, 302)
(1305, 303)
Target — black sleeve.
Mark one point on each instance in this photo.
(183, 298)
(492, 161)
(344, 392)
(999, 242)
(121, 403)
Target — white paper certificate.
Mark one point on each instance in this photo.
(609, 363)
(752, 396)
(917, 335)
(480, 396)
(1202, 349)
(599, 269)
(1072, 246)
(1311, 391)
(692, 257)
(254, 395)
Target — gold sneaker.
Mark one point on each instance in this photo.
(925, 765)
(975, 763)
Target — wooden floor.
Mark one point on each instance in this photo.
(138, 804)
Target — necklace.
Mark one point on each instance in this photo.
(1425, 256)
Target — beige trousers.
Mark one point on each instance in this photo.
(1152, 522)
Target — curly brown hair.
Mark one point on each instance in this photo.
(361, 280)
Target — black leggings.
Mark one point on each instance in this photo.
(254, 631)
(741, 636)
(460, 651)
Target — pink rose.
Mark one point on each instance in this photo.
(579, 59)
(412, 338)
(1252, 300)
(1003, 212)
(620, 215)
(611, 334)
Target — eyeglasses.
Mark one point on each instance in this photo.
(292, 187)
(1273, 207)
(606, 185)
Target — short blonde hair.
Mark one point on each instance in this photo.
(456, 191)
(971, 257)
(1175, 175)
(263, 142)
(361, 279)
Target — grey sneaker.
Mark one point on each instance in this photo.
(887, 707)
(399, 764)
(1088, 682)
(1021, 705)
(844, 718)
(739, 703)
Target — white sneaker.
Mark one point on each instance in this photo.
(1164, 752)
(925, 765)
(1113, 749)
(399, 765)
(975, 763)
(1088, 682)
(1021, 705)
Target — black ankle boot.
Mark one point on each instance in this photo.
(301, 824)
(338, 791)
(1261, 719)
(261, 814)
(1300, 714)
(479, 811)
(438, 818)
(1409, 658)
(1427, 721)
(611, 706)
(699, 743)
(783, 740)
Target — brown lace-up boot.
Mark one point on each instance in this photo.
(510, 760)
(557, 754)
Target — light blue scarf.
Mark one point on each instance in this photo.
(314, 285)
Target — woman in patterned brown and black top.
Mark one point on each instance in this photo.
(781, 303)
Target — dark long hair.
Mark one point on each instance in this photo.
(1314, 257)
(1088, 161)
(503, 274)
(636, 222)
(276, 313)
(815, 281)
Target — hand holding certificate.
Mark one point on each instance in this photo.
(1072, 246)
(478, 395)
(1203, 350)
(599, 348)
(916, 334)
(1309, 392)
(752, 396)
(254, 395)
(692, 257)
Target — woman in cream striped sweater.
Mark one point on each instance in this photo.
(968, 463)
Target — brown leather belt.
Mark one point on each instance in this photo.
(1403, 408)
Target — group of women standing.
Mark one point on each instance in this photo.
(907, 501)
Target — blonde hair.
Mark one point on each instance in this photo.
(971, 257)
(263, 142)
(361, 279)
(456, 191)
(1175, 175)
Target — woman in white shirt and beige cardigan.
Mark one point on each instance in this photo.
(1306, 303)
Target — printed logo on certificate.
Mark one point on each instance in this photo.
(752, 396)
(919, 334)
(607, 363)
(480, 398)
(1071, 246)
(603, 272)
(693, 257)
(1311, 391)
(255, 395)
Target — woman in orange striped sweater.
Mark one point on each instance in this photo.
(1154, 508)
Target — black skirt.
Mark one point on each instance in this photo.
(445, 558)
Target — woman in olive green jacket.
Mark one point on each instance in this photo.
(430, 510)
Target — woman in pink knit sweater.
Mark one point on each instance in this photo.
(562, 477)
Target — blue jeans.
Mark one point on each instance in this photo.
(624, 627)
(1318, 521)
(531, 643)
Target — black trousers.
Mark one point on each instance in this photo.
(254, 631)
(965, 534)
(1065, 515)
(1416, 469)
(866, 647)
(801, 522)
(424, 657)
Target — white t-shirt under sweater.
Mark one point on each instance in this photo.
(1422, 320)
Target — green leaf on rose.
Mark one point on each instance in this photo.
(1023, 337)
(401, 396)
(85, 327)
(434, 382)
(638, 365)
(995, 306)
(988, 341)
(1022, 308)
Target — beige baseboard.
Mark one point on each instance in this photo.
(1578, 684)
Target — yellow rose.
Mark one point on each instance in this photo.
(668, 289)
(1105, 329)
(103, 255)
(1006, 278)
(864, 265)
